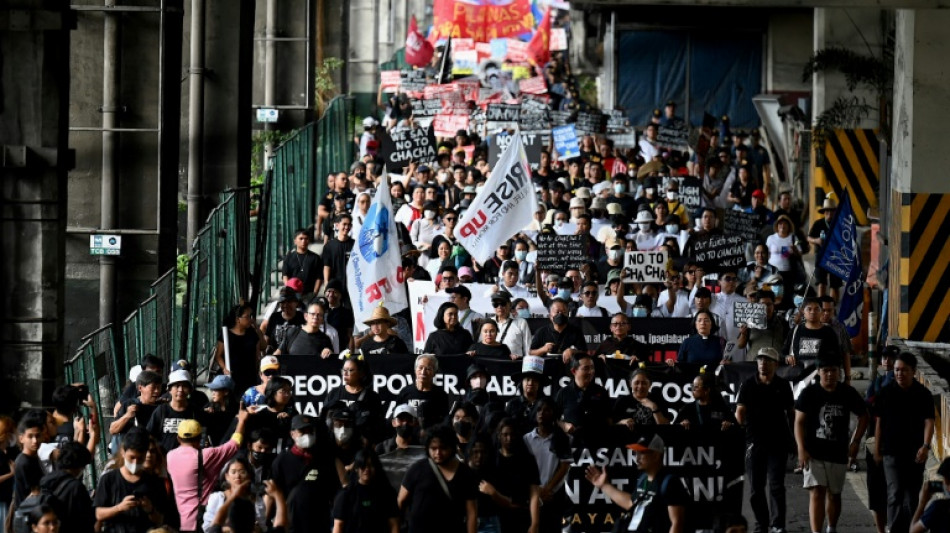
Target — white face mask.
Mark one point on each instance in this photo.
(558, 223)
(650, 190)
(133, 468)
(639, 312)
(304, 441)
(429, 214)
(520, 255)
(341, 434)
(672, 228)
(644, 226)
(671, 195)
(614, 254)
(618, 188)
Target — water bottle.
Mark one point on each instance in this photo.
(822, 236)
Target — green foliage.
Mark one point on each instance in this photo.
(324, 86)
(858, 69)
(260, 139)
(587, 89)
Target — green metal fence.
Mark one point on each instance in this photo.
(97, 364)
(296, 182)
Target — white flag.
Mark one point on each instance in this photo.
(374, 273)
(505, 205)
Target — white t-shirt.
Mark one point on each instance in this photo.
(779, 255)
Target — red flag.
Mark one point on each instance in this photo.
(418, 50)
(539, 49)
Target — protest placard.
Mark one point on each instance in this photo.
(445, 125)
(690, 193)
(716, 253)
(503, 115)
(675, 134)
(560, 118)
(558, 39)
(400, 147)
(535, 114)
(533, 145)
(390, 81)
(591, 123)
(745, 225)
(558, 253)
(535, 85)
(617, 121)
(517, 51)
(413, 81)
(646, 267)
(565, 142)
(464, 62)
(750, 314)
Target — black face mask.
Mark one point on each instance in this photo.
(462, 427)
(404, 432)
(560, 319)
(263, 458)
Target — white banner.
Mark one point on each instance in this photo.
(646, 267)
(505, 205)
(374, 273)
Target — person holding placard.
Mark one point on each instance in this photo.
(674, 301)
(775, 332)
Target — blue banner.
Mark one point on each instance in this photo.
(852, 301)
(565, 142)
(841, 256)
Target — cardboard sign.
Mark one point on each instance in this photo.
(535, 85)
(560, 118)
(715, 253)
(425, 110)
(558, 39)
(691, 192)
(503, 115)
(646, 267)
(412, 81)
(533, 146)
(390, 80)
(517, 51)
(750, 314)
(400, 147)
(745, 225)
(445, 125)
(558, 253)
(565, 142)
(617, 121)
(464, 62)
(535, 114)
(674, 135)
(591, 123)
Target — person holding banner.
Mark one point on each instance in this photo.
(620, 341)
(381, 338)
(488, 345)
(584, 404)
(643, 407)
(559, 337)
(709, 410)
(430, 402)
(817, 237)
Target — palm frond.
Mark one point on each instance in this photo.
(858, 69)
(845, 112)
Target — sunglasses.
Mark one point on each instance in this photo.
(271, 373)
(590, 293)
(496, 305)
(729, 278)
(450, 219)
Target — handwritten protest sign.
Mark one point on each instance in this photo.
(535, 114)
(690, 193)
(750, 314)
(675, 134)
(445, 125)
(559, 253)
(402, 146)
(745, 225)
(390, 80)
(591, 123)
(646, 267)
(716, 253)
(503, 115)
(565, 142)
(413, 81)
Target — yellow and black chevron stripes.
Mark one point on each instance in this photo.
(925, 252)
(851, 166)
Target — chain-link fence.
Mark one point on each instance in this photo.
(296, 182)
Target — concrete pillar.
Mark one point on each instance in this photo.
(788, 49)
(919, 280)
(34, 160)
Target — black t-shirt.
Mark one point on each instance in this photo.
(277, 327)
(113, 488)
(432, 405)
(711, 415)
(627, 346)
(445, 342)
(143, 413)
(307, 267)
(767, 410)
(244, 363)
(342, 319)
(365, 508)
(571, 336)
(628, 407)
(391, 345)
(164, 424)
(902, 413)
(652, 500)
(521, 410)
(514, 477)
(299, 342)
(827, 415)
(327, 201)
(335, 255)
(502, 351)
(27, 474)
(821, 225)
(805, 343)
(588, 409)
(430, 509)
(266, 418)
(310, 485)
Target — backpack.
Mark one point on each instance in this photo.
(21, 516)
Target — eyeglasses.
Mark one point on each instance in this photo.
(728, 278)
(589, 293)
(450, 219)
(271, 373)
(618, 324)
(449, 278)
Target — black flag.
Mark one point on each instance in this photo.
(445, 69)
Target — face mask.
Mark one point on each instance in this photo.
(560, 319)
(263, 458)
(404, 432)
(672, 228)
(798, 300)
(639, 312)
(521, 255)
(644, 226)
(651, 190)
(342, 434)
(133, 468)
(671, 195)
(564, 294)
(558, 223)
(462, 427)
(553, 291)
(614, 254)
(429, 214)
(304, 441)
(779, 291)
(524, 313)
(618, 188)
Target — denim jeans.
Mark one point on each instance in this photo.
(489, 524)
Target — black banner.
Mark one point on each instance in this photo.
(558, 253)
(690, 193)
(503, 115)
(745, 225)
(412, 81)
(663, 335)
(716, 253)
(535, 114)
(402, 146)
(532, 147)
(675, 134)
(591, 123)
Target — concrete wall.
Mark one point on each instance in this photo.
(789, 47)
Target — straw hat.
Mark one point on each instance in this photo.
(785, 218)
(649, 168)
(381, 314)
(828, 205)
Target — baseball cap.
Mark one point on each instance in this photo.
(295, 283)
(301, 422)
(221, 382)
(768, 353)
(189, 429)
(269, 362)
(179, 376)
(648, 445)
(405, 409)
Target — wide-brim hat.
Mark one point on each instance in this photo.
(380, 314)
(828, 205)
(649, 168)
(644, 216)
(786, 218)
(582, 192)
(614, 208)
(532, 366)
